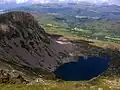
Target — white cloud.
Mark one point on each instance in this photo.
(44, 1)
(21, 1)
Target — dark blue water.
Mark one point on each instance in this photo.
(83, 69)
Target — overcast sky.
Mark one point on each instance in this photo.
(99, 1)
(91, 1)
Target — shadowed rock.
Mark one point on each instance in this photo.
(24, 45)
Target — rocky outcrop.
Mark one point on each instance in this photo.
(5, 77)
(24, 45)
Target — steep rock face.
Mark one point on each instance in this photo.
(24, 44)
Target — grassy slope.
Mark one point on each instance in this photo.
(61, 85)
(100, 27)
(101, 30)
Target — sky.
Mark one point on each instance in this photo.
(43, 1)
(98, 1)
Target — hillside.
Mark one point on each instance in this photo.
(25, 46)
(98, 22)
(30, 55)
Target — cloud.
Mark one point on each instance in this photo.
(43, 1)
(117, 2)
(97, 1)
(21, 1)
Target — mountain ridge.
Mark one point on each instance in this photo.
(24, 45)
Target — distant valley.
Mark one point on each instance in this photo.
(98, 22)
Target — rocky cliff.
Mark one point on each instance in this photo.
(25, 46)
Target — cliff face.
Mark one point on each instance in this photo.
(24, 44)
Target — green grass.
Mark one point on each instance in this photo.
(57, 85)
(92, 30)
(61, 85)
